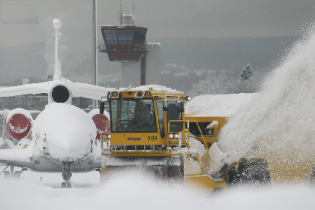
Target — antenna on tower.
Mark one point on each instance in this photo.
(120, 13)
(133, 8)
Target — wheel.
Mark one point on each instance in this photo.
(7, 175)
(312, 180)
(251, 172)
(230, 174)
(16, 175)
(175, 173)
(63, 184)
(68, 185)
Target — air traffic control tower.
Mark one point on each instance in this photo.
(126, 43)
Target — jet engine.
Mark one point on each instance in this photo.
(101, 126)
(59, 93)
(19, 122)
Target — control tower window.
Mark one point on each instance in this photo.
(111, 36)
(125, 36)
(139, 36)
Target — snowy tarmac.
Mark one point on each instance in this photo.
(135, 190)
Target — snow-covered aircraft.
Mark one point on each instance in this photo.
(63, 136)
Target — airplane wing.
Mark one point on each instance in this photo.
(35, 88)
(89, 91)
(17, 157)
(78, 90)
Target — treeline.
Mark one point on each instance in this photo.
(224, 53)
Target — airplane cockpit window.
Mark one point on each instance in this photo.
(133, 115)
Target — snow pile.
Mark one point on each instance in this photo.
(24, 112)
(23, 143)
(217, 105)
(152, 88)
(192, 166)
(17, 155)
(283, 112)
(213, 124)
(194, 144)
(148, 87)
(216, 157)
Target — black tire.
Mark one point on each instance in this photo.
(63, 184)
(68, 185)
(251, 172)
(230, 175)
(175, 173)
(312, 180)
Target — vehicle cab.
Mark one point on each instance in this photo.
(146, 119)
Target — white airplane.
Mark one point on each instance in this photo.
(63, 136)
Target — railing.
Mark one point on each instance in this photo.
(205, 143)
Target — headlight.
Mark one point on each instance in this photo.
(173, 136)
(105, 136)
(188, 98)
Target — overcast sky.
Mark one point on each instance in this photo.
(26, 22)
(176, 18)
(215, 18)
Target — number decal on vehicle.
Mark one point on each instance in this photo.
(152, 138)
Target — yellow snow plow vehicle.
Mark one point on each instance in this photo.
(149, 130)
(152, 129)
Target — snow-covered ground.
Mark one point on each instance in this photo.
(135, 190)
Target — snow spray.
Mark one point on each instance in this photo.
(281, 116)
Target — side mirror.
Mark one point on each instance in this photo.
(102, 107)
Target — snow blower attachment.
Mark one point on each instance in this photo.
(149, 130)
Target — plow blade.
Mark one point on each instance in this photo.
(142, 161)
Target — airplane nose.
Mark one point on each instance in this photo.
(68, 144)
